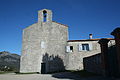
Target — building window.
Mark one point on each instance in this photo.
(69, 48)
(85, 47)
(44, 16)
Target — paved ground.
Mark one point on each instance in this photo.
(56, 76)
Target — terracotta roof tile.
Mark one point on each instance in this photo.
(87, 40)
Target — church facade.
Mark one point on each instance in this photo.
(46, 48)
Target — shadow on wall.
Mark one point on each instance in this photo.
(112, 61)
(94, 63)
(51, 63)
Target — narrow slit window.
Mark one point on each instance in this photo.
(44, 16)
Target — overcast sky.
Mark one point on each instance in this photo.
(83, 17)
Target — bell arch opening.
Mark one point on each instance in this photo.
(44, 16)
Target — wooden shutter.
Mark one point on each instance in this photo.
(90, 46)
(80, 47)
(67, 48)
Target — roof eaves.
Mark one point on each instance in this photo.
(88, 40)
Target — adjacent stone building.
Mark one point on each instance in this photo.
(81, 49)
(46, 48)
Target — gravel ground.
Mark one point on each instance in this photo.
(55, 76)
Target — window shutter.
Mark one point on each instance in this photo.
(80, 47)
(90, 46)
(67, 48)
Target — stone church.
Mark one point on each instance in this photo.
(46, 48)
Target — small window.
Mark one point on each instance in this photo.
(85, 47)
(69, 48)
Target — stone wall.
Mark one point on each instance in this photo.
(43, 38)
(116, 34)
(93, 64)
(105, 62)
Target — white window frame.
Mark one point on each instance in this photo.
(68, 49)
(80, 48)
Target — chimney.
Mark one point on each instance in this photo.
(90, 36)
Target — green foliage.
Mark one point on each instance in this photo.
(2, 72)
(8, 68)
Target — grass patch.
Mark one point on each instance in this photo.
(27, 73)
(6, 72)
(84, 73)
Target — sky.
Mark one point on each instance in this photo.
(84, 17)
